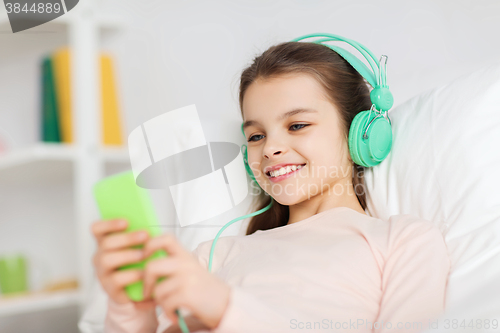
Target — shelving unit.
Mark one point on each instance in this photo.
(79, 165)
(45, 163)
(38, 301)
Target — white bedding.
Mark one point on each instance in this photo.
(443, 167)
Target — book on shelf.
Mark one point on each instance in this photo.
(62, 78)
(112, 130)
(57, 108)
(50, 119)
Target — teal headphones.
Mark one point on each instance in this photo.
(370, 134)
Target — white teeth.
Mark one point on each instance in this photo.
(283, 170)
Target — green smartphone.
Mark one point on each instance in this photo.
(119, 197)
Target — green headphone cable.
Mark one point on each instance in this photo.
(182, 323)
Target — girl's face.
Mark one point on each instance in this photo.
(289, 120)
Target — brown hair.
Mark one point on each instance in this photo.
(345, 88)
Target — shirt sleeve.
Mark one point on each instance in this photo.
(415, 276)
(125, 318)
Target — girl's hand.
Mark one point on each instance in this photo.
(187, 283)
(193, 324)
(114, 249)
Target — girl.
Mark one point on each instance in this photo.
(314, 261)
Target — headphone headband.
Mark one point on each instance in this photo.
(380, 96)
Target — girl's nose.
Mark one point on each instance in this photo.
(275, 153)
(274, 147)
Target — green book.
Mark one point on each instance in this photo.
(50, 119)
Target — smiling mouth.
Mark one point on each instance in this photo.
(271, 177)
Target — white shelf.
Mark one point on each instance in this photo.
(49, 163)
(39, 151)
(40, 301)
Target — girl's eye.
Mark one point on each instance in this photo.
(253, 136)
(303, 125)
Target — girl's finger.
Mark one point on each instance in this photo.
(169, 306)
(144, 305)
(166, 288)
(124, 240)
(104, 227)
(120, 279)
(112, 260)
(157, 268)
(166, 242)
(122, 298)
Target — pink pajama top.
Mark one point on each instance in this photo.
(338, 270)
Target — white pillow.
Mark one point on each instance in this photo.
(443, 167)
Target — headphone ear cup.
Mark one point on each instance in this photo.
(374, 149)
(353, 134)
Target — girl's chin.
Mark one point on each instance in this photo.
(287, 200)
